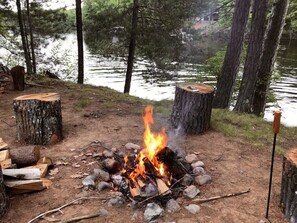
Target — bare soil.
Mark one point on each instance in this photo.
(233, 165)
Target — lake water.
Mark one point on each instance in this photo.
(110, 72)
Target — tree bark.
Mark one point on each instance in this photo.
(192, 107)
(80, 46)
(31, 37)
(254, 53)
(38, 118)
(132, 47)
(3, 196)
(289, 185)
(23, 37)
(25, 156)
(271, 44)
(231, 63)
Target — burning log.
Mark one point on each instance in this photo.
(192, 107)
(162, 187)
(135, 191)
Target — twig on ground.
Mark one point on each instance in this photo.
(61, 207)
(7, 123)
(80, 218)
(203, 200)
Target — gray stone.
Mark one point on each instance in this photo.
(191, 191)
(103, 212)
(203, 179)
(116, 201)
(152, 211)
(89, 182)
(190, 158)
(117, 180)
(104, 185)
(150, 190)
(197, 164)
(103, 175)
(187, 180)
(193, 208)
(132, 146)
(172, 206)
(197, 171)
(108, 154)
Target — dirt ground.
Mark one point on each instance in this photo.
(233, 165)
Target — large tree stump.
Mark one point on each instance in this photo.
(3, 196)
(38, 118)
(192, 107)
(18, 77)
(289, 185)
(25, 156)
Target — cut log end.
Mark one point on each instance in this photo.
(40, 97)
(196, 87)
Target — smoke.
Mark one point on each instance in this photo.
(176, 140)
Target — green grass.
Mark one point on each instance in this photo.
(250, 129)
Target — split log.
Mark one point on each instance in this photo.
(42, 168)
(18, 76)
(25, 156)
(135, 191)
(3, 196)
(23, 186)
(38, 118)
(192, 107)
(289, 185)
(6, 164)
(4, 155)
(23, 174)
(3, 145)
(163, 189)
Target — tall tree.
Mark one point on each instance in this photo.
(132, 46)
(231, 63)
(23, 37)
(271, 44)
(254, 52)
(29, 19)
(80, 78)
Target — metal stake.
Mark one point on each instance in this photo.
(276, 124)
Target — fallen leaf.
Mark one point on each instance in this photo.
(76, 176)
(54, 172)
(75, 165)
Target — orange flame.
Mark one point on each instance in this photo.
(153, 143)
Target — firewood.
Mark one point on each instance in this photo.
(4, 155)
(38, 118)
(28, 174)
(162, 187)
(3, 145)
(23, 186)
(6, 164)
(25, 156)
(45, 160)
(42, 168)
(46, 183)
(135, 191)
(141, 183)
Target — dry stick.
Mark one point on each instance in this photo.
(7, 123)
(80, 218)
(63, 206)
(203, 200)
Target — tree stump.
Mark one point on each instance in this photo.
(192, 107)
(38, 118)
(3, 196)
(289, 185)
(18, 77)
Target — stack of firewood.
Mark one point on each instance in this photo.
(23, 169)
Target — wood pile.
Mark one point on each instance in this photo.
(23, 169)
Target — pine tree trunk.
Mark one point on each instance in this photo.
(231, 63)
(31, 37)
(289, 185)
(254, 53)
(38, 118)
(132, 46)
(271, 44)
(3, 196)
(80, 46)
(192, 107)
(23, 37)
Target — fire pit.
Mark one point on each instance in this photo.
(152, 173)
